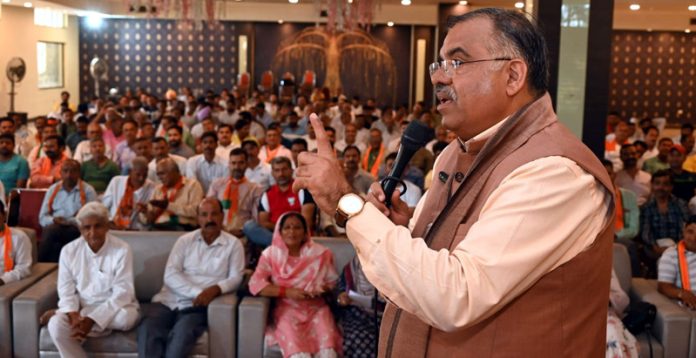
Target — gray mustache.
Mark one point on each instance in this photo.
(447, 91)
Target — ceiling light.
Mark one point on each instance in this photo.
(94, 20)
(6, 1)
(28, 4)
(519, 5)
(692, 7)
(634, 7)
(464, 3)
(293, 1)
(687, 31)
(405, 2)
(281, 21)
(390, 23)
(350, 1)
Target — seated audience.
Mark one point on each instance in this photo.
(387, 126)
(47, 169)
(173, 204)
(95, 285)
(298, 146)
(60, 205)
(15, 250)
(242, 131)
(273, 148)
(99, 170)
(612, 146)
(14, 170)
(412, 193)
(128, 195)
(125, 151)
(143, 148)
(176, 146)
(39, 152)
(79, 135)
(620, 342)
(257, 171)
(359, 321)
(225, 145)
(238, 195)
(626, 224)
(659, 162)
(83, 152)
(349, 138)
(160, 150)
(202, 265)
(374, 156)
(684, 181)
(662, 217)
(296, 272)
(276, 201)
(291, 129)
(359, 179)
(630, 177)
(674, 279)
(207, 166)
(438, 147)
(690, 161)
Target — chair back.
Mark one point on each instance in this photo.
(150, 253)
(622, 266)
(341, 248)
(30, 201)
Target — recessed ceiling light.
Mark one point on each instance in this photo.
(390, 23)
(350, 1)
(634, 7)
(519, 5)
(281, 21)
(405, 2)
(293, 1)
(6, 1)
(692, 7)
(687, 31)
(28, 4)
(464, 3)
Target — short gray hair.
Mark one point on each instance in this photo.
(93, 209)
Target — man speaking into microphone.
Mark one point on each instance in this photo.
(509, 252)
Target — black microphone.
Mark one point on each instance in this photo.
(416, 135)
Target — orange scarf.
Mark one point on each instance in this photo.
(83, 198)
(683, 266)
(9, 263)
(619, 223)
(375, 166)
(231, 202)
(125, 207)
(176, 188)
(270, 154)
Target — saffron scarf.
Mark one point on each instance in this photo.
(619, 223)
(231, 202)
(270, 154)
(125, 207)
(683, 266)
(165, 189)
(374, 170)
(7, 247)
(81, 187)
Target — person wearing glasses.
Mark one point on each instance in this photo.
(509, 252)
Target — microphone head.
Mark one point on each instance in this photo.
(417, 135)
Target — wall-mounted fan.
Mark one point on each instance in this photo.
(99, 70)
(15, 71)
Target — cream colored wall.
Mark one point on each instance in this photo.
(18, 37)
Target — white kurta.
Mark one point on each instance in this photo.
(21, 256)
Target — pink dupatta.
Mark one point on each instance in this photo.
(312, 270)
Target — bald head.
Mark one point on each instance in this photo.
(168, 172)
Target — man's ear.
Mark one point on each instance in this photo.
(517, 76)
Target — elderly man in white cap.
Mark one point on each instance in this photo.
(95, 285)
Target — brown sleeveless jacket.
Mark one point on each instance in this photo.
(561, 315)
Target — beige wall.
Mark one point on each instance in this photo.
(18, 37)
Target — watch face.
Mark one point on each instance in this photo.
(351, 204)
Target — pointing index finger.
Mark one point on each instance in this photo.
(323, 145)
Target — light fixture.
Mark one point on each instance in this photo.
(293, 1)
(281, 21)
(692, 7)
(390, 23)
(350, 1)
(634, 7)
(519, 5)
(28, 4)
(94, 20)
(464, 3)
(688, 31)
(405, 2)
(6, 1)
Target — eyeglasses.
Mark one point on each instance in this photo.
(450, 66)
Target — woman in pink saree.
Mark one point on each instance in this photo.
(296, 271)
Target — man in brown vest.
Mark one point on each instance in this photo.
(509, 252)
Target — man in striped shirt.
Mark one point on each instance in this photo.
(670, 275)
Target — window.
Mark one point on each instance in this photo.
(49, 57)
(49, 18)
